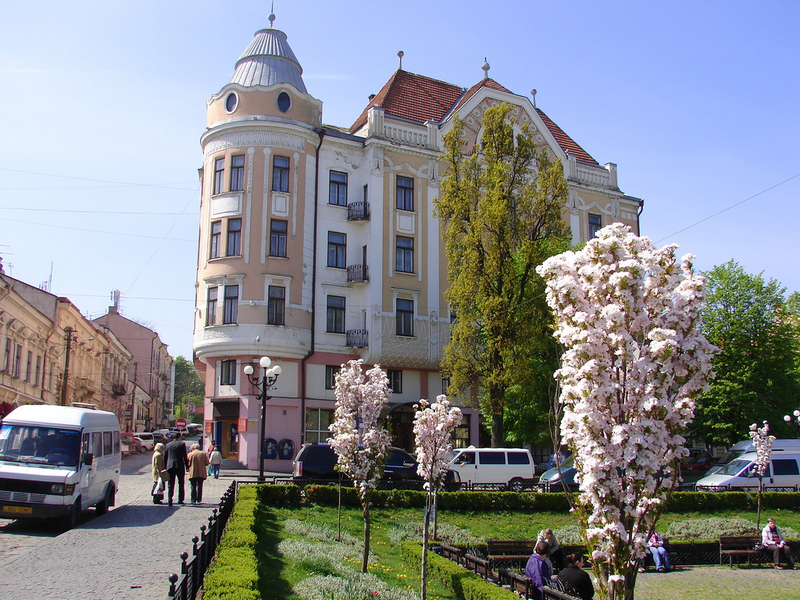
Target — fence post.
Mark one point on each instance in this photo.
(173, 579)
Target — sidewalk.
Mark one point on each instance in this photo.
(126, 554)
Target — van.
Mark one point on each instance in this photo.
(783, 471)
(513, 467)
(746, 446)
(57, 461)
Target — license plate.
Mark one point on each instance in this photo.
(23, 510)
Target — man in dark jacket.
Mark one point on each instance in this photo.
(176, 461)
(574, 580)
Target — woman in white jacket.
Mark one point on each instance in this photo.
(772, 539)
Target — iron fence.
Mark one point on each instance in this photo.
(193, 567)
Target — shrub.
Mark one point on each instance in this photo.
(712, 528)
(279, 495)
(354, 586)
(570, 535)
(447, 534)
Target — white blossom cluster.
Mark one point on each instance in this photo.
(433, 427)
(762, 442)
(628, 316)
(358, 437)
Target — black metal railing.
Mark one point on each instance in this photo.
(358, 211)
(357, 274)
(357, 338)
(187, 585)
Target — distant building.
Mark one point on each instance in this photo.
(151, 371)
(319, 244)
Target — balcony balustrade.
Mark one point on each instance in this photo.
(357, 338)
(357, 274)
(358, 211)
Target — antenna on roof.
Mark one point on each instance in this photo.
(401, 54)
(485, 68)
(533, 93)
(271, 14)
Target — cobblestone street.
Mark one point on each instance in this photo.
(126, 554)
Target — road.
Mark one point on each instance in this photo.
(126, 554)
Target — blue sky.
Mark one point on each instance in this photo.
(103, 105)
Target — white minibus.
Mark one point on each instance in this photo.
(57, 461)
(513, 467)
(783, 471)
(746, 446)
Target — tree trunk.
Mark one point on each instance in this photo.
(339, 512)
(365, 558)
(424, 576)
(758, 514)
(497, 431)
(434, 507)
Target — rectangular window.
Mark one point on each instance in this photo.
(595, 224)
(219, 175)
(395, 380)
(405, 193)
(37, 375)
(518, 458)
(216, 238)
(404, 255)
(280, 173)
(227, 372)
(237, 173)
(404, 314)
(784, 466)
(231, 308)
(336, 310)
(108, 443)
(18, 362)
(29, 367)
(337, 250)
(9, 352)
(492, 458)
(276, 305)
(211, 307)
(234, 237)
(330, 376)
(445, 385)
(337, 189)
(317, 422)
(277, 238)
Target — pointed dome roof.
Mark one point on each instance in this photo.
(268, 60)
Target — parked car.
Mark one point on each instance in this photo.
(160, 438)
(513, 467)
(182, 430)
(127, 444)
(317, 462)
(698, 459)
(164, 432)
(147, 440)
(552, 479)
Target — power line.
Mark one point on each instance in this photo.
(98, 212)
(138, 235)
(728, 208)
(117, 183)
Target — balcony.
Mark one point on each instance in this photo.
(118, 389)
(358, 211)
(357, 274)
(357, 338)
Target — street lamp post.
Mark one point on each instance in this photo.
(263, 384)
(794, 419)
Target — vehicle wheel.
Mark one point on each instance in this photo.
(516, 485)
(101, 507)
(74, 517)
(142, 450)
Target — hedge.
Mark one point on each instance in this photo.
(549, 502)
(455, 579)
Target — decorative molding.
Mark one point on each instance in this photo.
(260, 137)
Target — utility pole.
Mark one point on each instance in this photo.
(68, 331)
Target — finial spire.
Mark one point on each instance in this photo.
(485, 68)
(271, 14)
(401, 54)
(533, 93)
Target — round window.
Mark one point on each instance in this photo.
(284, 102)
(231, 102)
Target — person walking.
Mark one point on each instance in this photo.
(215, 459)
(772, 539)
(176, 462)
(159, 474)
(198, 463)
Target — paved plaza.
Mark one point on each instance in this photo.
(126, 554)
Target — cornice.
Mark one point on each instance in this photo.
(219, 141)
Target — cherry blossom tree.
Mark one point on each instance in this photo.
(433, 428)
(762, 442)
(628, 316)
(358, 436)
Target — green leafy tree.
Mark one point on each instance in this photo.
(501, 212)
(748, 319)
(189, 388)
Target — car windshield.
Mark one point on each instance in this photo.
(733, 468)
(40, 445)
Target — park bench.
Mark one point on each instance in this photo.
(549, 593)
(480, 566)
(517, 583)
(738, 545)
(509, 552)
(453, 553)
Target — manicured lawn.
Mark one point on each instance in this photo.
(279, 574)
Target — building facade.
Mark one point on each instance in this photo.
(319, 244)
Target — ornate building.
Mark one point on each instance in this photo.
(319, 244)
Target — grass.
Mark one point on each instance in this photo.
(278, 574)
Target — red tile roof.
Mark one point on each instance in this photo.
(415, 97)
(567, 143)
(419, 98)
